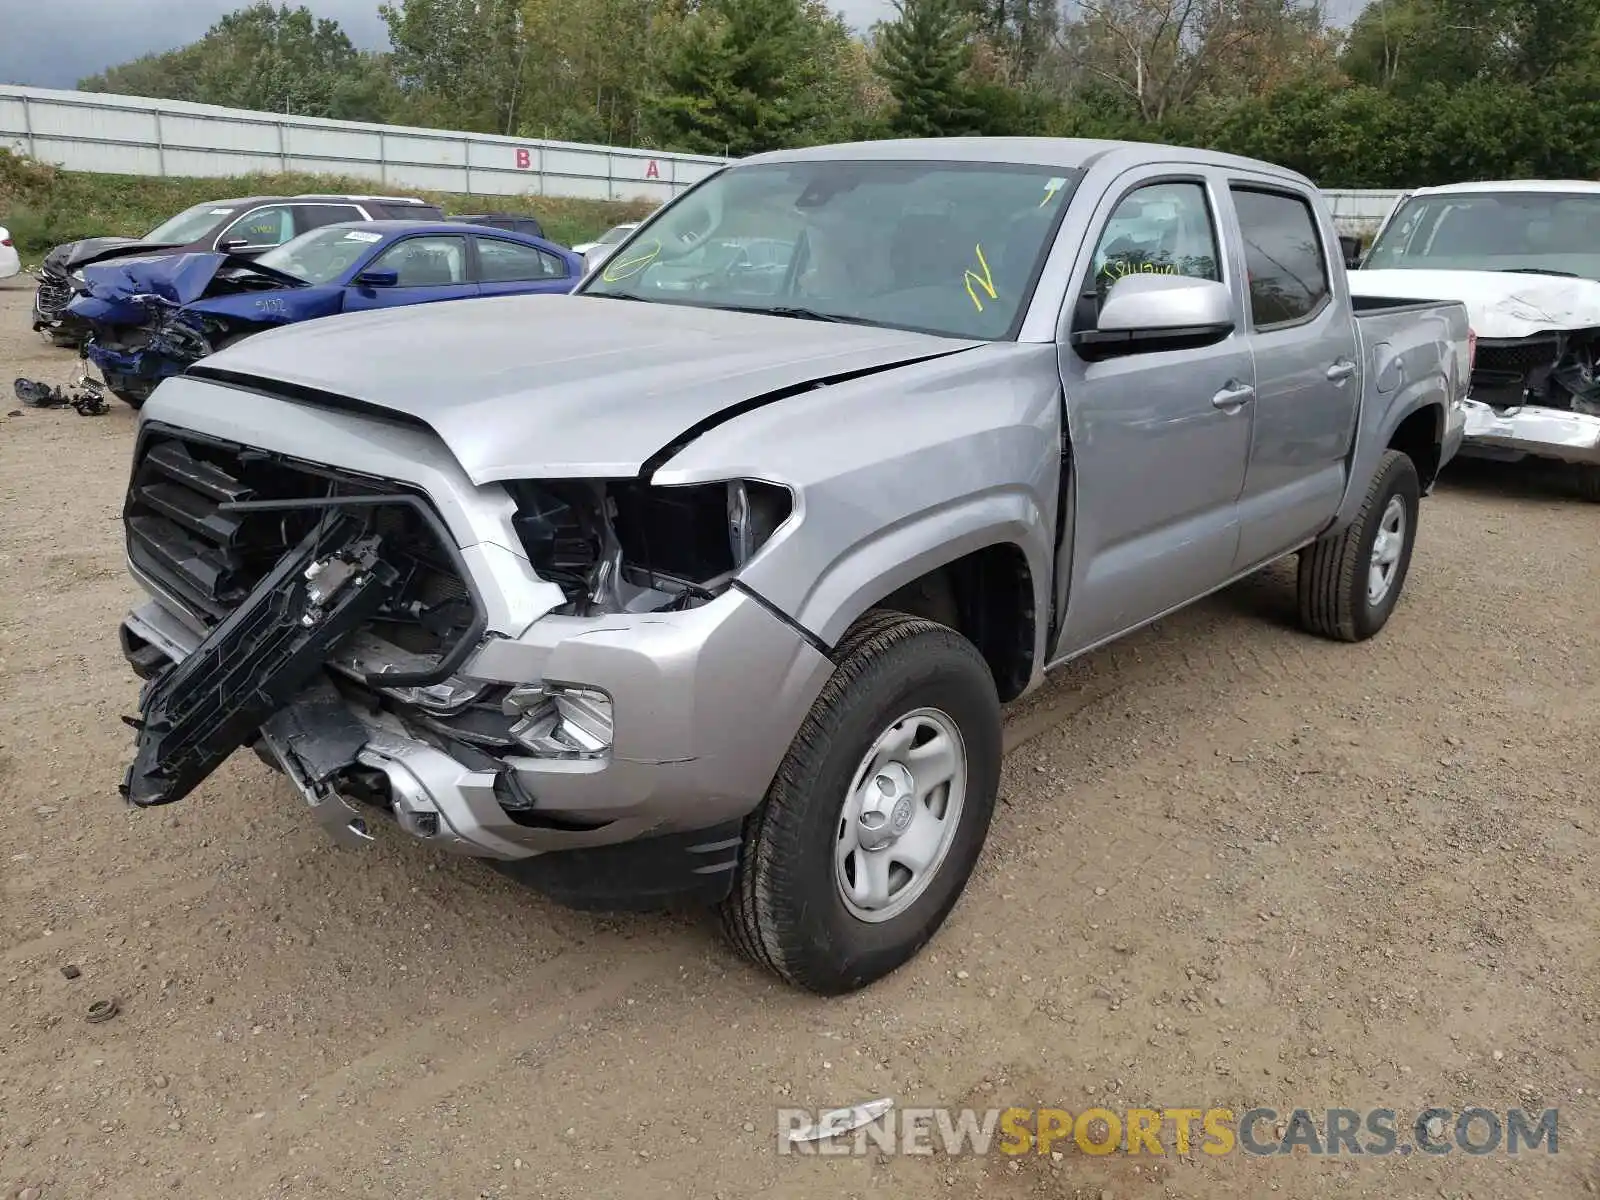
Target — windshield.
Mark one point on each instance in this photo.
(940, 247)
(1554, 232)
(322, 255)
(189, 225)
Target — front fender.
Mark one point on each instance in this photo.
(271, 308)
(894, 475)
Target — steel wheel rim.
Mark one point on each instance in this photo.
(1386, 548)
(900, 815)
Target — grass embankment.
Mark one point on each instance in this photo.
(44, 206)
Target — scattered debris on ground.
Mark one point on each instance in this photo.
(87, 396)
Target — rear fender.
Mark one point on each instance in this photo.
(1415, 367)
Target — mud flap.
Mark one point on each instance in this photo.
(257, 661)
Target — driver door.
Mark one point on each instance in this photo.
(1160, 438)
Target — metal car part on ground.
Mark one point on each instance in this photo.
(1524, 257)
(708, 584)
(151, 318)
(245, 226)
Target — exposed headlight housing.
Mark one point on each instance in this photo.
(627, 545)
(557, 720)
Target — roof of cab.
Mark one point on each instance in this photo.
(1066, 153)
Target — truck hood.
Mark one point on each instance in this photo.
(547, 387)
(1500, 304)
(180, 279)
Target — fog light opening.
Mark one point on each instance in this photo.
(561, 721)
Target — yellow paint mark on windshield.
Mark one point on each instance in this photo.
(984, 282)
(1051, 188)
(626, 268)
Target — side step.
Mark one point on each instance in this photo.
(257, 660)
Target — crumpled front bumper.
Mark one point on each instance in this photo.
(1513, 433)
(705, 703)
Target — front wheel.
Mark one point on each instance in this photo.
(1350, 583)
(877, 815)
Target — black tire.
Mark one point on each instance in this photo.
(133, 394)
(1333, 571)
(1589, 482)
(785, 912)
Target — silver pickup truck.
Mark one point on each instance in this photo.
(708, 581)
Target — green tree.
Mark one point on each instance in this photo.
(265, 57)
(1404, 45)
(459, 63)
(924, 55)
(741, 76)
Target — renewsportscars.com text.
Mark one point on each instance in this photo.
(1377, 1132)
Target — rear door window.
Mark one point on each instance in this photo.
(1284, 256)
(315, 216)
(509, 262)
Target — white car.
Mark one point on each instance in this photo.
(609, 238)
(10, 263)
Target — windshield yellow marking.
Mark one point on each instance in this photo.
(984, 281)
(1050, 190)
(626, 268)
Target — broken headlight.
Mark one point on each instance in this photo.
(630, 546)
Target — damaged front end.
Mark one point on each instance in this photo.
(164, 340)
(332, 622)
(277, 565)
(625, 546)
(1536, 395)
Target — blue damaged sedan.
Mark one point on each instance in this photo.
(152, 317)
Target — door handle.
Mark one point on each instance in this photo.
(1341, 370)
(1231, 397)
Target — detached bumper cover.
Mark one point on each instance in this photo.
(706, 703)
(1556, 433)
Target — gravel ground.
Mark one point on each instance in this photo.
(1233, 866)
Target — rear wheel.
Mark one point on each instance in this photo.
(1350, 583)
(877, 815)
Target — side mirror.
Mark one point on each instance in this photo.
(1350, 247)
(378, 279)
(1146, 313)
(597, 254)
(232, 245)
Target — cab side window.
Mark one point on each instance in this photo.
(1284, 256)
(262, 228)
(1161, 229)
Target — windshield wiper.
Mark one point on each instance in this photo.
(1538, 271)
(797, 313)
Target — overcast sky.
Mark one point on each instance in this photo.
(54, 43)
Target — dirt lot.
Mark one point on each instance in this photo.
(1234, 866)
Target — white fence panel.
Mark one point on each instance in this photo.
(87, 131)
(129, 135)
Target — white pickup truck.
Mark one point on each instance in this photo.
(1524, 257)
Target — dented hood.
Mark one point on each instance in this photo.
(71, 255)
(178, 279)
(1500, 304)
(545, 387)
